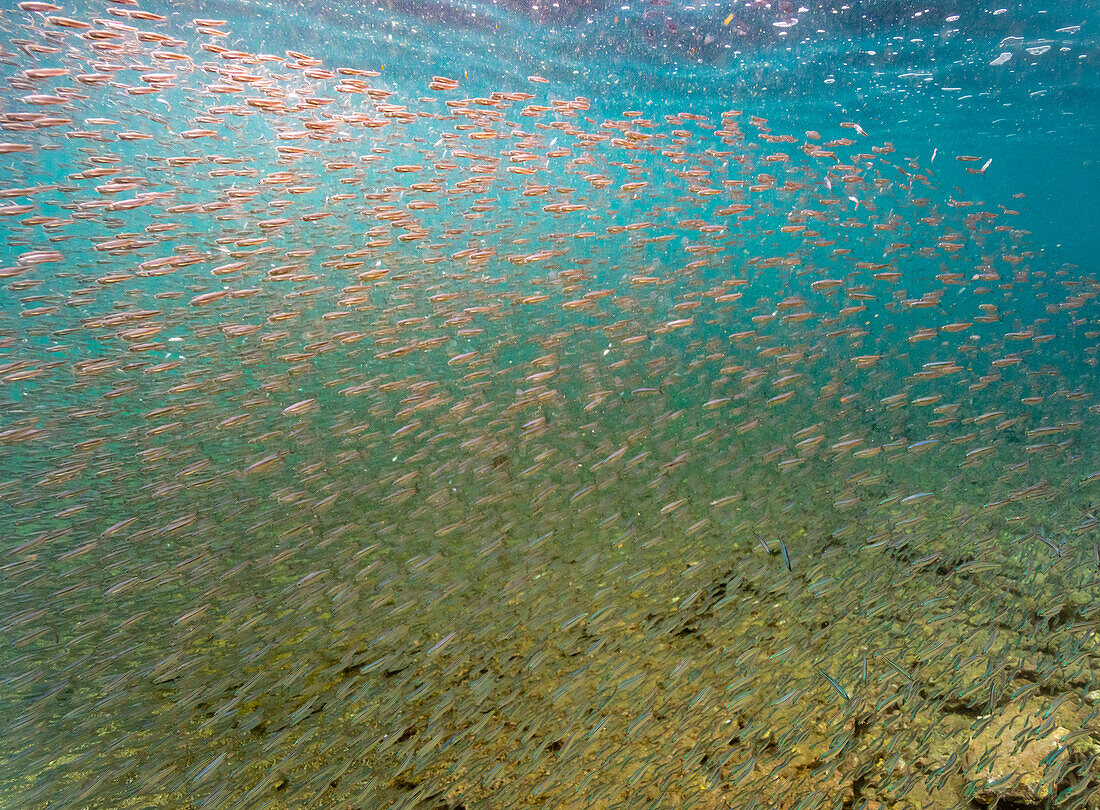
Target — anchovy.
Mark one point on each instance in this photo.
(839, 689)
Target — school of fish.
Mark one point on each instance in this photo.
(366, 445)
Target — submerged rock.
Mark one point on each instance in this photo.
(1009, 760)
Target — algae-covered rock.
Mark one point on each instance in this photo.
(1010, 759)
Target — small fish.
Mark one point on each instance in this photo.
(889, 661)
(1043, 536)
(763, 543)
(786, 556)
(782, 549)
(839, 689)
(209, 769)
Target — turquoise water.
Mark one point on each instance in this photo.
(491, 406)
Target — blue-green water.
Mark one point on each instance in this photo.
(576, 406)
